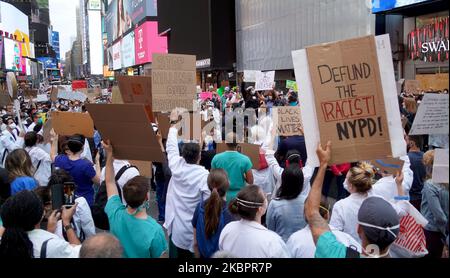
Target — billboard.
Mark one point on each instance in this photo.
(147, 42)
(13, 55)
(122, 15)
(55, 44)
(386, 5)
(49, 62)
(95, 42)
(127, 50)
(13, 21)
(117, 61)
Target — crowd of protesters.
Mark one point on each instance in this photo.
(210, 204)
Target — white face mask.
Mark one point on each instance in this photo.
(346, 185)
(12, 126)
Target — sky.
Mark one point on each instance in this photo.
(62, 17)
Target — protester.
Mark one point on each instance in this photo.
(41, 160)
(211, 216)
(247, 238)
(301, 243)
(140, 235)
(237, 166)
(82, 170)
(10, 139)
(285, 212)
(21, 214)
(187, 188)
(435, 209)
(20, 170)
(359, 183)
(101, 246)
(378, 222)
(36, 118)
(415, 154)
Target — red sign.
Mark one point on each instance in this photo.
(79, 84)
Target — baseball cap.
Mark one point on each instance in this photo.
(379, 221)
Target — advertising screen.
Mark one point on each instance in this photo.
(117, 61)
(122, 15)
(49, 62)
(147, 42)
(386, 5)
(13, 55)
(95, 42)
(15, 22)
(127, 45)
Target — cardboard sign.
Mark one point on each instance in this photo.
(46, 130)
(163, 124)
(349, 99)
(412, 86)
(289, 120)
(54, 94)
(440, 166)
(250, 75)
(30, 93)
(136, 89)
(5, 99)
(388, 165)
(70, 123)
(357, 147)
(195, 132)
(291, 85)
(432, 115)
(173, 82)
(132, 135)
(250, 150)
(205, 95)
(116, 97)
(264, 80)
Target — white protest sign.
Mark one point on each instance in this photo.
(440, 166)
(42, 98)
(265, 80)
(65, 95)
(78, 96)
(308, 107)
(250, 75)
(432, 115)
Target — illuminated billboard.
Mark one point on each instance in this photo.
(95, 42)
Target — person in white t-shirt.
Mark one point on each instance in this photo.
(247, 238)
(41, 160)
(22, 238)
(301, 243)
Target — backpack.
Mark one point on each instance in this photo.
(98, 208)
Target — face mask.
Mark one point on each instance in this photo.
(346, 185)
(40, 121)
(12, 126)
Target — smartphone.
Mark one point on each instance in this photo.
(69, 194)
(57, 191)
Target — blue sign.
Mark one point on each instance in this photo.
(49, 62)
(55, 43)
(386, 5)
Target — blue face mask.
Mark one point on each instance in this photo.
(40, 121)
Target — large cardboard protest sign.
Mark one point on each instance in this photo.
(116, 97)
(265, 80)
(349, 92)
(349, 99)
(412, 86)
(144, 167)
(54, 94)
(5, 98)
(289, 120)
(195, 121)
(30, 93)
(432, 115)
(136, 89)
(70, 123)
(250, 150)
(440, 166)
(46, 130)
(388, 165)
(173, 82)
(129, 128)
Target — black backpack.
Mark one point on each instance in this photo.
(98, 208)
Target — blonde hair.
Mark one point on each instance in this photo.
(410, 105)
(361, 177)
(428, 160)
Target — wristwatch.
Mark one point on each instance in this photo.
(67, 227)
(174, 122)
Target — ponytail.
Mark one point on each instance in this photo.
(213, 209)
(15, 243)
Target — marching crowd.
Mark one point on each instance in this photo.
(212, 204)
